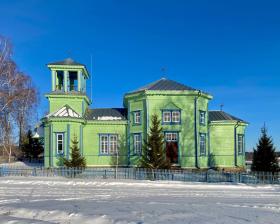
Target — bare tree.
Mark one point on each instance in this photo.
(8, 94)
(7, 67)
(17, 97)
(26, 105)
(5, 53)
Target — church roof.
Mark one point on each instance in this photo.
(67, 61)
(222, 116)
(164, 84)
(106, 114)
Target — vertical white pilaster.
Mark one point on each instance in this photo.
(85, 85)
(65, 81)
(53, 80)
(79, 80)
(82, 83)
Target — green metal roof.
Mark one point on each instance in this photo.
(106, 114)
(67, 61)
(164, 84)
(223, 116)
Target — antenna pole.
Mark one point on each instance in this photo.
(90, 78)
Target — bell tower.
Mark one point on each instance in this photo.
(68, 86)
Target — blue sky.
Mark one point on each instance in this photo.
(230, 49)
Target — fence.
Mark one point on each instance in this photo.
(209, 176)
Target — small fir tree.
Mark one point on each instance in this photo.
(32, 147)
(264, 157)
(153, 156)
(77, 160)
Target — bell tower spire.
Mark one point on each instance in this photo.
(68, 85)
(68, 75)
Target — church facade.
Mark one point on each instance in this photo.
(194, 136)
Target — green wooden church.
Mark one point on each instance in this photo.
(194, 136)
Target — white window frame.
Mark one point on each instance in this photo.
(166, 114)
(240, 143)
(171, 136)
(202, 117)
(108, 144)
(104, 144)
(58, 141)
(202, 144)
(177, 116)
(137, 143)
(113, 144)
(137, 117)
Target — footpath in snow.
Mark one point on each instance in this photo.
(61, 200)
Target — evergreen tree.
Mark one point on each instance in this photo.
(32, 147)
(153, 155)
(77, 160)
(264, 157)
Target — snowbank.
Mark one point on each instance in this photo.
(61, 200)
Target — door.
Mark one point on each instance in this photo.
(171, 139)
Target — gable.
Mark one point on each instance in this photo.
(171, 106)
(65, 111)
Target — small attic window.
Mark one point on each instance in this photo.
(73, 78)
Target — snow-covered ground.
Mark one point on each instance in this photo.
(20, 164)
(60, 200)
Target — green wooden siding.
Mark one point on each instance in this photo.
(220, 141)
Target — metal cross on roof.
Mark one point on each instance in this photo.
(164, 71)
(221, 107)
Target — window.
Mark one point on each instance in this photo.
(202, 117)
(176, 116)
(202, 144)
(137, 143)
(171, 116)
(108, 144)
(104, 144)
(60, 143)
(137, 117)
(113, 144)
(59, 82)
(73, 79)
(171, 136)
(166, 116)
(240, 144)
